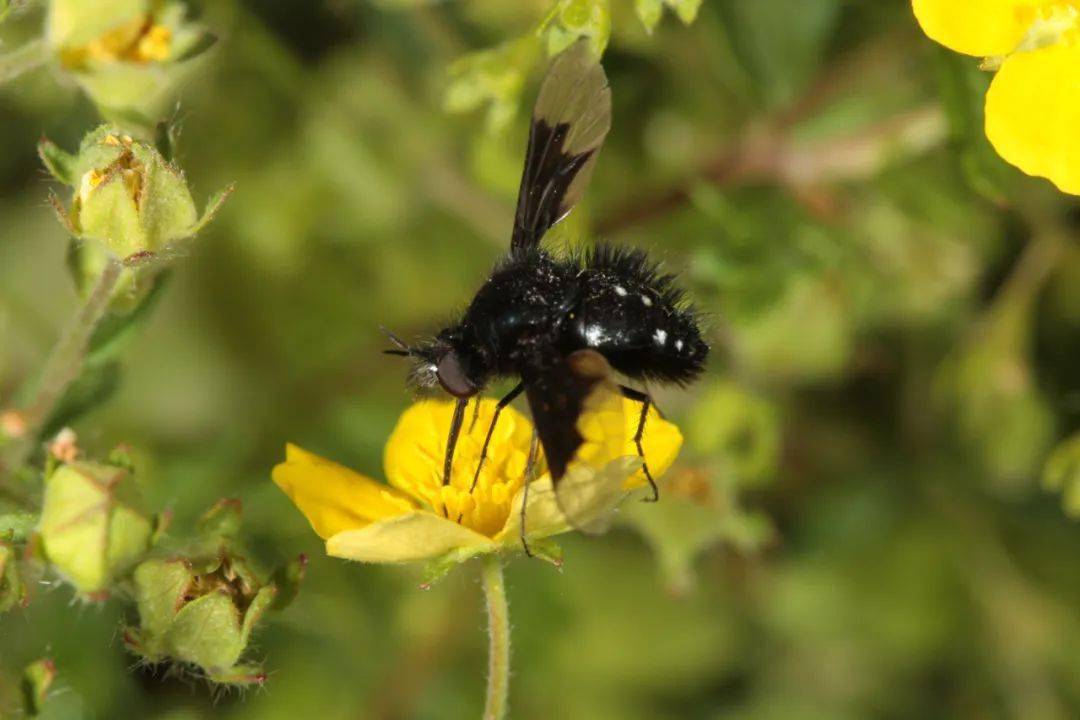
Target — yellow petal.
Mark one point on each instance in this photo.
(1033, 113)
(332, 497)
(593, 481)
(415, 536)
(595, 489)
(590, 499)
(977, 27)
(661, 442)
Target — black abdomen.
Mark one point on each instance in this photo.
(636, 317)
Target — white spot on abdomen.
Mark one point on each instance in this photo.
(660, 336)
(620, 291)
(594, 335)
(678, 344)
(646, 301)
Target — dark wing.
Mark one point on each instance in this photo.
(560, 395)
(570, 121)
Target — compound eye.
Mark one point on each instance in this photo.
(452, 377)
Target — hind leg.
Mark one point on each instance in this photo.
(646, 402)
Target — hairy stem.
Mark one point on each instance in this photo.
(498, 683)
(63, 366)
(31, 55)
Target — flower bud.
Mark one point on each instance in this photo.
(201, 606)
(179, 599)
(128, 199)
(127, 55)
(92, 527)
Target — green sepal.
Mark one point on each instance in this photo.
(437, 568)
(201, 45)
(238, 675)
(206, 632)
(13, 590)
(165, 136)
(213, 207)
(60, 163)
(548, 550)
(287, 578)
(222, 521)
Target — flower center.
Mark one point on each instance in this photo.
(481, 502)
(139, 41)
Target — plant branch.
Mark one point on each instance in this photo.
(63, 366)
(498, 682)
(770, 155)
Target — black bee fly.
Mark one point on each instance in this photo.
(558, 323)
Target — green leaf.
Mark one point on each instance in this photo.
(687, 10)
(494, 78)
(17, 527)
(649, 12)
(97, 384)
(576, 19)
(1062, 474)
(682, 527)
(742, 429)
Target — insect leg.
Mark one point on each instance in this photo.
(451, 440)
(475, 413)
(530, 465)
(509, 398)
(646, 403)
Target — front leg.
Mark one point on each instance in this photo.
(509, 398)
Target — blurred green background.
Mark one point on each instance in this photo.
(859, 525)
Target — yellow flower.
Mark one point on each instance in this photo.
(139, 40)
(1033, 106)
(416, 517)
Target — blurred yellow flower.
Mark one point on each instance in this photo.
(1033, 105)
(416, 517)
(139, 40)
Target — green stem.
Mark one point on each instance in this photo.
(498, 683)
(63, 366)
(24, 59)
